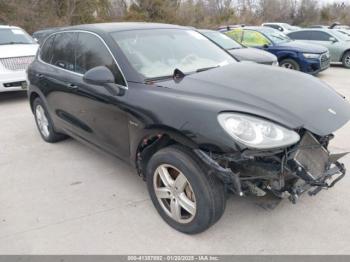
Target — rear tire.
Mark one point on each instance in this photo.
(346, 59)
(290, 64)
(44, 123)
(202, 194)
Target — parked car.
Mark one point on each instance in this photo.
(17, 51)
(337, 43)
(282, 27)
(303, 57)
(337, 25)
(239, 51)
(40, 35)
(225, 28)
(193, 121)
(318, 26)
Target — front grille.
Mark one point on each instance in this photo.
(17, 63)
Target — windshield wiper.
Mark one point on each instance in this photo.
(158, 78)
(206, 68)
(177, 75)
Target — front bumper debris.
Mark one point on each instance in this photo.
(330, 177)
(286, 173)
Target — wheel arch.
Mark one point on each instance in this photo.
(154, 140)
(287, 55)
(342, 56)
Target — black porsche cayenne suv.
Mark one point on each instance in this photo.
(195, 123)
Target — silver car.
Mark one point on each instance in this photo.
(337, 42)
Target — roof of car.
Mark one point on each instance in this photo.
(207, 31)
(274, 23)
(9, 26)
(47, 29)
(257, 28)
(122, 26)
(314, 29)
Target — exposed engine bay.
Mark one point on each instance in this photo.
(307, 166)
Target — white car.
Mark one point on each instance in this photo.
(17, 51)
(283, 27)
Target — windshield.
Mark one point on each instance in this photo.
(222, 40)
(10, 36)
(158, 52)
(276, 37)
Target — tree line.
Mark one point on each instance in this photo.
(38, 14)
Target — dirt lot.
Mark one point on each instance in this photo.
(69, 199)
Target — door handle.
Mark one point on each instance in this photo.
(39, 75)
(72, 86)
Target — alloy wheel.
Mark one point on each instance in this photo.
(42, 121)
(347, 60)
(288, 66)
(174, 193)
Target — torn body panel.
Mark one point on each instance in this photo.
(287, 173)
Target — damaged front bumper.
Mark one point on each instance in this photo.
(287, 173)
(327, 180)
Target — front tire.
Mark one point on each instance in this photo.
(346, 59)
(290, 64)
(44, 123)
(186, 197)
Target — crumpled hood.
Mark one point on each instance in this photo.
(304, 47)
(18, 50)
(253, 54)
(288, 97)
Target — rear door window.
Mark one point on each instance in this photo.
(64, 51)
(92, 52)
(302, 35)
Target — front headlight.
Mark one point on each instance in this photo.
(312, 56)
(257, 132)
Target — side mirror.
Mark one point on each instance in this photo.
(102, 76)
(332, 39)
(99, 75)
(281, 29)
